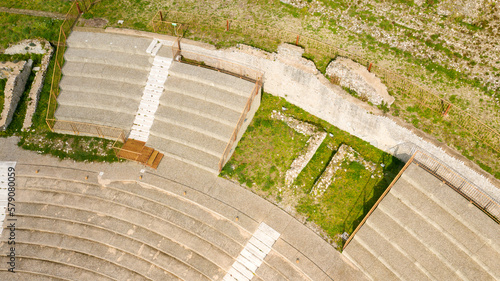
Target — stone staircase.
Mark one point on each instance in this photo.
(121, 81)
(69, 226)
(423, 230)
(103, 79)
(145, 116)
(197, 114)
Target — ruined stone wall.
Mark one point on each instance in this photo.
(14, 88)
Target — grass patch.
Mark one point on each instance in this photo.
(268, 148)
(58, 6)
(77, 148)
(2, 93)
(15, 28)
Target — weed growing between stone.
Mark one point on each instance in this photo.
(2, 93)
(268, 148)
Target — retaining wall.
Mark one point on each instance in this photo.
(300, 83)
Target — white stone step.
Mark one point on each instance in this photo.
(264, 238)
(248, 264)
(155, 83)
(154, 42)
(243, 270)
(254, 253)
(261, 246)
(156, 48)
(154, 89)
(238, 276)
(269, 231)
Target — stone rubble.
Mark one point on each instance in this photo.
(463, 35)
(345, 154)
(356, 77)
(312, 144)
(37, 85)
(14, 88)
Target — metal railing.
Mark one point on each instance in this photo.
(217, 29)
(468, 190)
(214, 63)
(78, 128)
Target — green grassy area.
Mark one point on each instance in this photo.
(269, 146)
(14, 28)
(58, 6)
(2, 93)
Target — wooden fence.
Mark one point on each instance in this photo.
(218, 29)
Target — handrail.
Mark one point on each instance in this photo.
(78, 128)
(468, 190)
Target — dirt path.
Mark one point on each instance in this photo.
(32, 13)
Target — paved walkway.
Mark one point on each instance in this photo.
(315, 257)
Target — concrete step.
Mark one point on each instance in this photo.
(194, 122)
(167, 201)
(102, 86)
(457, 206)
(28, 275)
(142, 213)
(185, 153)
(194, 139)
(397, 234)
(97, 100)
(205, 92)
(68, 235)
(131, 238)
(201, 107)
(453, 225)
(397, 260)
(266, 272)
(433, 238)
(38, 266)
(77, 259)
(285, 267)
(95, 116)
(109, 41)
(212, 78)
(116, 58)
(106, 72)
(367, 262)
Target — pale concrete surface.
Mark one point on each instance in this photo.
(424, 230)
(179, 220)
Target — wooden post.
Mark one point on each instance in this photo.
(370, 67)
(447, 109)
(161, 16)
(78, 6)
(297, 41)
(227, 25)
